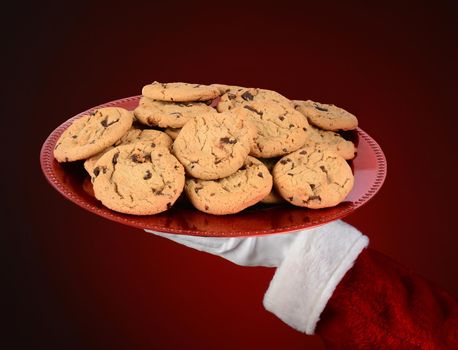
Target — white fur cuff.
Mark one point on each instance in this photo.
(315, 264)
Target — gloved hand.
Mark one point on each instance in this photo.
(310, 265)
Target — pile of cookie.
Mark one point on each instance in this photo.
(226, 147)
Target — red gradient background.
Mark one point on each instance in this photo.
(74, 280)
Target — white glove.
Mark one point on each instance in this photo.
(311, 263)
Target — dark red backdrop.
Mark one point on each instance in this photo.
(77, 281)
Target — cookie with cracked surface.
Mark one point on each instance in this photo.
(312, 177)
(326, 116)
(138, 179)
(172, 132)
(214, 145)
(92, 133)
(168, 114)
(229, 195)
(179, 92)
(280, 129)
(331, 141)
(223, 88)
(156, 137)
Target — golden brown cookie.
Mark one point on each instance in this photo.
(246, 187)
(179, 92)
(326, 116)
(214, 145)
(92, 133)
(138, 179)
(332, 141)
(168, 114)
(156, 137)
(312, 177)
(280, 128)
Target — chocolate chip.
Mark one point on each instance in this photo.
(312, 198)
(323, 169)
(243, 167)
(227, 140)
(169, 205)
(111, 123)
(281, 118)
(305, 129)
(283, 161)
(153, 144)
(291, 126)
(206, 207)
(290, 199)
(135, 158)
(176, 167)
(96, 171)
(74, 136)
(312, 186)
(303, 152)
(231, 96)
(321, 108)
(247, 96)
(253, 110)
(260, 175)
(290, 174)
(115, 159)
(160, 155)
(104, 122)
(148, 175)
(197, 189)
(288, 160)
(285, 150)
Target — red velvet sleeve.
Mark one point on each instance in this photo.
(381, 305)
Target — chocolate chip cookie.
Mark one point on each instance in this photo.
(280, 128)
(214, 145)
(155, 137)
(92, 133)
(326, 116)
(138, 179)
(232, 194)
(331, 141)
(312, 177)
(222, 88)
(168, 114)
(179, 92)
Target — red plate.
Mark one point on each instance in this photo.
(71, 180)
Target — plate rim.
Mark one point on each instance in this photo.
(47, 158)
